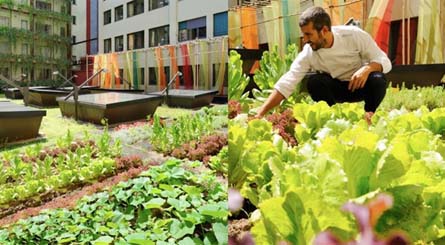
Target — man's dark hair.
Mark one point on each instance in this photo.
(317, 16)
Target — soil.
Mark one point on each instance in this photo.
(239, 228)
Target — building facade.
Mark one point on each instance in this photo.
(34, 38)
(135, 24)
(84, 28)
(142, 26)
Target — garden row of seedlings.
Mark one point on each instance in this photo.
(169, 203)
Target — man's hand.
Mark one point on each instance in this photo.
(359, 78)
(274, 99)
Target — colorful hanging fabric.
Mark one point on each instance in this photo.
(249, 28)
(222, 68)
(234, 18)
(429, 47)
(271, 25)
(135, 70)
(186, 70)
(128, 71)
(318, 3)
(161, 73)
(174, 63)
(104, 75)
(286, 25)
(115, 71)
(96, 66)
(193, 50)
(353, 10)
(379, 22)
(294, 28)
(278, 25)
(204, 81)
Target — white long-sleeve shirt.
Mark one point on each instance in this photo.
(352, 48)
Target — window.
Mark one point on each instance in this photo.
(192, 29)
(220, 24)
(153, 75)
(25, 48)
(45, 74)
(24, 24)
(135, 40)
(5, 47)
(119, 13)
(154, 4)
(119, 44)
(4, 21)
(107, 45)
(141, 76)
(135, 7)
(4, 71)
(107, 17)
(74, 20)
(40, 27)
(73, 2)
(159, 36)
(45, 51)
(43, 5)
(73, 39)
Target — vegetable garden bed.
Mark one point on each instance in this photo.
(390, 175)
(47, 189)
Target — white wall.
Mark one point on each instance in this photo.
(175, 12)
(80, 28)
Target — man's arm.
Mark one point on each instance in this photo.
(359, 77)
(378, 60)
(274, 99)
(287, 83)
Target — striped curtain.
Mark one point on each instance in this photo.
(174, 63)
(429, 48)
(249, 28)
(222, 68)
(128, 71)
(204, 81)
(235, 28)
(160, 64)
(187, 72)
(379, 21)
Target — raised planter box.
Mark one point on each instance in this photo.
(19, 122)
(116, 107)
(418, 75)
(96, 90)
(46, 97)
(189, 98)
(15, 94)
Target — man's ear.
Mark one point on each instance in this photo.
(325, 30)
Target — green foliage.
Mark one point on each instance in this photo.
(413, 99)
(38, 170)
(341, 158)
(164, 205)
(272, 67)
(165, 138)
(237, 79)
(220, 162)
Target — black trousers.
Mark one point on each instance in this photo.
(324, 87)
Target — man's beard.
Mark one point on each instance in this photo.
(316, 46)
